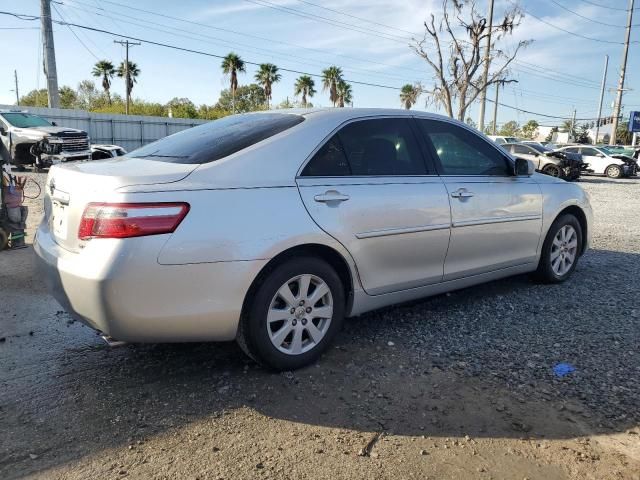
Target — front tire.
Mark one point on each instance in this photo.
(561, 250)
(553, 170)
(613, 171)
(294, 314)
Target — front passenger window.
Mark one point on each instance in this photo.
(462, 152)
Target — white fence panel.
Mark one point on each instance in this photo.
(128, 131)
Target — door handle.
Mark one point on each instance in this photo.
(462, 193)
(331, 196)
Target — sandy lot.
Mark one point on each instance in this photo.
(452, 387)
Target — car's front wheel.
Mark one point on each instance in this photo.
(613, 171)
(553, 170)
(561, 250)
(294, 314)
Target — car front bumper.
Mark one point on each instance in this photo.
(119, 288)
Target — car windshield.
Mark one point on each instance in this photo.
(25, 120)
(218, 139)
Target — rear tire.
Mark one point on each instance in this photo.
(561, 250)
(553, 170)
(294, 314)
(613, 171)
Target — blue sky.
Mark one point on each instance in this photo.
(556, 73)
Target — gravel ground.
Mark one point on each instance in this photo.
(456, 386)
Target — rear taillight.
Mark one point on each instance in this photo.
(125, 220)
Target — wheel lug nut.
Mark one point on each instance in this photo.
(308, 309)
(304, 321)
(292, 311)
(301, 302)
(294, 322)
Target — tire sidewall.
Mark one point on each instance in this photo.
(552, 171)
(255, 329)
(545, 269)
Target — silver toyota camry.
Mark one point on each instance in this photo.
(271, 228)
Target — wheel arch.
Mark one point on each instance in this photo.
(577, 212)
(324, 252)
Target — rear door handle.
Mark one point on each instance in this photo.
(462, 193)
(331, 196)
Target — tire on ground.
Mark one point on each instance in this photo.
(253, 336)
(545, 272)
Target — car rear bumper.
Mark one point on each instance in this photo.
(119, 288)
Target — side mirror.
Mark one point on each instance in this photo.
(521, 167)
(54, 124)
(600, 155)
(3, 131)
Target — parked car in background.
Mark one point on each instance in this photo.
(557, 164)
(502, 139)
(100, 152)
(270, 228)
(29, 139)
(603, 162)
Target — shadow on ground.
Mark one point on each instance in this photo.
(476, 362)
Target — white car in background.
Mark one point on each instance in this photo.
(603, 162)
(499, 139)
(101, 152)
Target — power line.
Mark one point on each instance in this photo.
(208, 54)
(588, 18)
(74, 33)
(608, 7)
(356, 17)
(569, 31)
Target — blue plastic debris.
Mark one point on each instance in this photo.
(562, 369)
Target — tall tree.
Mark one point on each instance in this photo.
(331, 77)
(232, 64)
(454, 53)
(530, 129)
(248, 98)
(131, 72)
(106, 70)
(304, 86)
(409, 95)
(344, 93)
(510, 129)
(267, 75)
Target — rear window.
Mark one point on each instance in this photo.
(218, 139)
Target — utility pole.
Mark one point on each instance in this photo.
(485, 73)
(604, 82)
(573, 126)
(49, 51)
(495, 109)
(623, 68)
(127, 79)
(15, 77)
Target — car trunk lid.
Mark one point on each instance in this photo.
(70, 187)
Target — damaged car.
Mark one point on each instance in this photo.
(29, 139)
(559, 164)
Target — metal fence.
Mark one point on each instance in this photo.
(128, 131)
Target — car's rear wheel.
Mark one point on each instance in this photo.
(613, 171)
(294, 314)
(561, 250)
(552, 170)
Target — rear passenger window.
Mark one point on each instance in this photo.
(521, 149)
(381, 146)
(462, 152)
(330, 161)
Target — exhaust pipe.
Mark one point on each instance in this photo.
(112, 342)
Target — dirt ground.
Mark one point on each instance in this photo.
(453, 387)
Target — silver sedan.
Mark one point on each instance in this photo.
(271, 228)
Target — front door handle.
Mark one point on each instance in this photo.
(462, 193)
(331, 196)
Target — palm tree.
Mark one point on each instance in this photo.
(267, 75)
(232, 64)
(106, 70)
(330, 78)
(304, 85)
(131, 73)
(409, 95)
(345, 95)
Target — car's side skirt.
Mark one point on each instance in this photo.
(364, 303)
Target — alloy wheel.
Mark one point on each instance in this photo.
(564, 250)
(300, 314)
